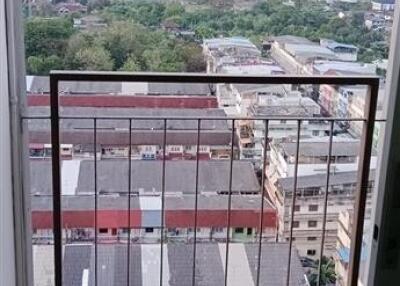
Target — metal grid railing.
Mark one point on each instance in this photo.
(363, 170)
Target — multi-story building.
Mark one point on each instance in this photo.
(313, 157)
(252, 132)
(311, 183)
(309, 209)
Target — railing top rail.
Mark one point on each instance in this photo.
(212, 78)
(205, 118)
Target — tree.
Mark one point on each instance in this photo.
(46, 37)
(95, 58)
(174, 9)
(131, 64)
(328, 275)
(42, 66)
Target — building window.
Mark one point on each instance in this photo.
(315, 133)
(312, 223)
(296, 224)
(249, 231)
(239, 230)
(218, 229)
(313, 208)
(296, 208)
(149, 230)
(311, 252)
(311, 238)
(103, 230)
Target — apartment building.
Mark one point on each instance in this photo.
(309, 209)
(148, 200)
(313, 157)
(311, 183)
(279, 130)
(147, 135)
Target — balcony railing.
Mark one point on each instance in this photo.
(362, 178)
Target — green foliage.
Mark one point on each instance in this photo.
(95, 58)
(46, 37)
(328, 274)
(42, 65)
(134, 39)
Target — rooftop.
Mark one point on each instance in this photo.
(306, 52)
(112, 177)
(321, 148)
(321, 67)
(172, 202)
(319, 180)
(177, 264)
(41, 84)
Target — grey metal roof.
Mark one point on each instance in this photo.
(178, 263)
(179, 88)
(316, 149)
(280, 111)
(319, 180)
(112, 176)
(41, 84)
(114, 132)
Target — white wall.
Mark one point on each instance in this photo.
(7, 256)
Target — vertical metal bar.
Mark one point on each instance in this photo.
(129, 202)
(362, 183)
(163, 202)
(95, 198)
(296, 167)
(229, 203)
(196, 202)
(261, 227)
(56, 180)
(328, 173)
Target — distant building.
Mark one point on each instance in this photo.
(69, 8)
(383, 5)
(295, 53)
(89, 22)
(343, 52)
(235, 50)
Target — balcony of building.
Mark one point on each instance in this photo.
(113, 198)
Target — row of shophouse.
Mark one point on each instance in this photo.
(150, 207)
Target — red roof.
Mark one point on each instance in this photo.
(173, 218)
